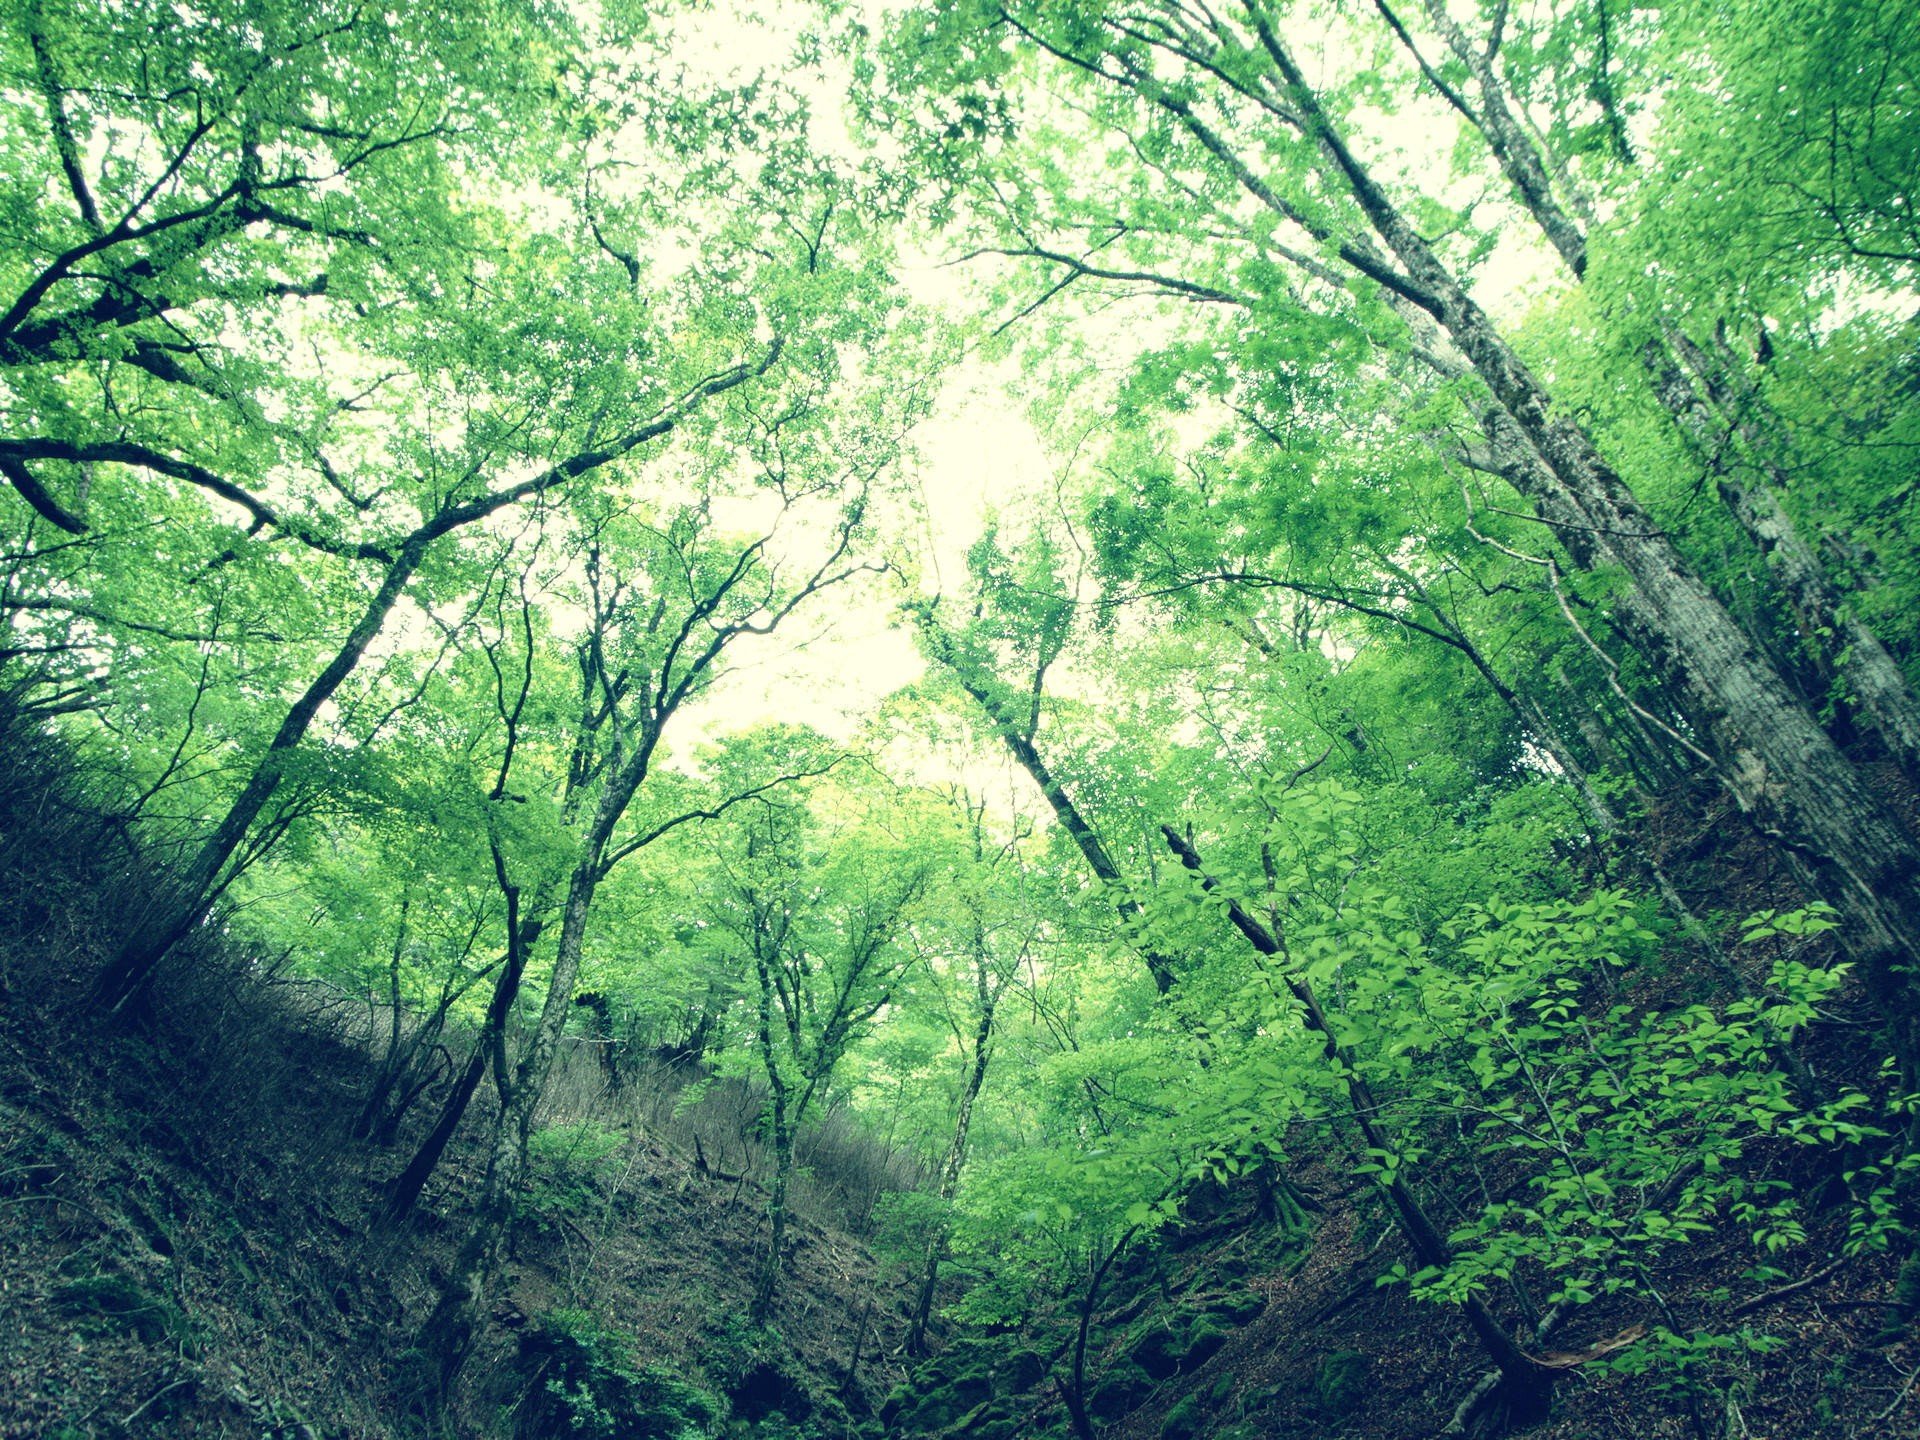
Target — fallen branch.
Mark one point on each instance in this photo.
(164, 1390)
(1470, 1404)
(1781, 1292)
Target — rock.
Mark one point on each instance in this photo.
(1341, 1382)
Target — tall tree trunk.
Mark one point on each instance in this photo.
(447, 1336)
(196, 890)
(392, 1061)
(1073, 1391)
(448, 1333)
(956, 1157)
(1769, 752)
(1829, 627)
(767, 1282)
(1873, 681)
(488, 1049)
(404, 1193)
(768, 1277)
(1019, 743)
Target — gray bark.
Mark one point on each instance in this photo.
(1873, 680)
(1771, 755)
(1828, 625)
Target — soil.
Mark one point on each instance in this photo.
(188, 1247)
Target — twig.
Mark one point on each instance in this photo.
(1781, 1292)
(1900, 1397)
(169, 1389)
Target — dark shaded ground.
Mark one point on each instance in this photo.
(187, 1244)
(186, 1247)
(214, 1269)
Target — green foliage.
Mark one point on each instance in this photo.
(1027, 1219)
(583, 1380)
(114, 1304)
(288, 286)
(1700, 1366)
(570, 1166)
(1633, 1124)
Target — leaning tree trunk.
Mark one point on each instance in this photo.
(1845, 646)
(1019, 743)
(449, 1330)
(128, 972)
(404, 1193)
(1874, 682)
(1527, 1382)
(956, 1157)
(1768, 751)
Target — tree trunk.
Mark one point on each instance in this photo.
(768, 1277)
(767, 1285)
(1769, 753)
(1073, 1393)
(955, 1161)
(1845, 646)
(404, 1193)
(128, 972)
(448, 1334)
(1873, 680)
(1020, 745)
(1526, 1380)
(392, 1061)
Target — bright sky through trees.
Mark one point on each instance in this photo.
(1334, 551)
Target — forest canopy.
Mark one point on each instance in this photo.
(1133, 596)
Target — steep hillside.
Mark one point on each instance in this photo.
(189, 1246)
(189, 1243)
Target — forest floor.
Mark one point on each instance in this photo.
(189, 1243)
(211, 1264)
(188, 1247)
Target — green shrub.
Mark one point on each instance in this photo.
(581, 1381)
(1701, 1368)
(113, 1304)
(568, 1166)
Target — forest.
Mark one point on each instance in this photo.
(988, 719)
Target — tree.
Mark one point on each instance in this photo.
(820, 920)
(1700, 389)
(204, 878)
(995, 942)
(1221, 101)
(663, 600)
(1029, 614)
